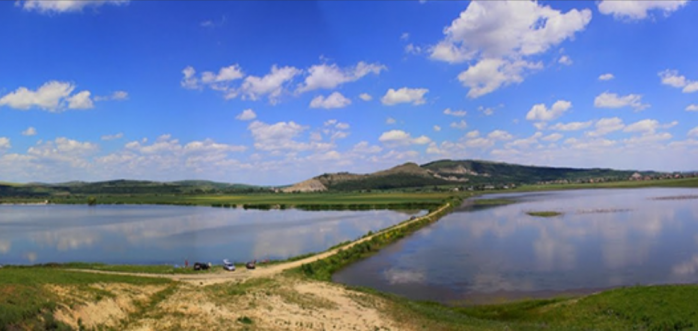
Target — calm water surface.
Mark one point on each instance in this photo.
(169, 234)
(606, 238)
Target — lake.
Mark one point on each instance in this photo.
(141, 234)
(605, 238)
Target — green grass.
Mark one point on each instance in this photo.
(23, 300)
(543, 213)
(682, 182)
(145, 269)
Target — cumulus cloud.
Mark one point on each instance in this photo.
(607, 76)
(459, 125)
(540, 112)
(490, 74)
(364, 147)
(365, 97)
(692, 133)
(613, 100)
(390, 121)
(252, 87)
(402, 138)
(53, 96)
(674, 79)
(414, 96)
(566, 60)
(605, 126)
(552, 137)
(571, 126)
(457, 113)
(486, 110)
(271, 85)
(692, 107)
(437, 128)
(648, 126)
(113, 136)
(499, 35)
(282, 136)
(500, 135)
(329, 76)
(334, 100)
(30, 131)
(473, 134)
(638, 10)
(246, 115)
(5, 143)
(65, 6)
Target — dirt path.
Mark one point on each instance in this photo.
(261, 271)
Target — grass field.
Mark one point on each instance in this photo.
(543, 213)
(683, 182)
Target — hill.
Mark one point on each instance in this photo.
(454, 173)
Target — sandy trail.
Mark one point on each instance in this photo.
(260, 271)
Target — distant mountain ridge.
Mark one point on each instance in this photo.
(453, 172)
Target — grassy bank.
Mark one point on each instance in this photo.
(26, 303)
(543, 213)
(323, 269)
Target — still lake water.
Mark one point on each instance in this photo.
(124, 234)
(605, 239)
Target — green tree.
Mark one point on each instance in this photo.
(91, 201)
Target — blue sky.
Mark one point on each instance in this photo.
(277, 92)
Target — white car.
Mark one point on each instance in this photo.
(227, 265)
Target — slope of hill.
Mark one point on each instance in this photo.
(450, 172)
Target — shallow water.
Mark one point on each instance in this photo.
(124, 234)
(604, 239)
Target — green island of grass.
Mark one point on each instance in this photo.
(544, 213)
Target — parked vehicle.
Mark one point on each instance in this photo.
(251, 264)
(227, 265)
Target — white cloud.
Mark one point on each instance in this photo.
(486, 111)
(637, 10)
(281, 136)
(363, 147)
(53, 96)
(492, 73)
(30, 131)
(540, 125)
(390, 121)
(644, 126)
(525, 142)
(334, 100)
(540, 112)
(692, 133)
(500, 135)
(113, 136)
(189, 81)
(5, 143)
(499, 35)
(246, 115)
(607, 76)
(117, 95)
(64, 6)
(692, 107)
(402, 138)
(507, 28)
(437, 128)
(473, 134)
(413, 49)
(405, 36)
(324, 76)
(225, 74)
(80, 101)
(552, 137)
(458, 113)
(605, 126)
(571, 126)
(613, 100)
(365, 97)
(459, 125)
(272, 84)
(673, 79)
(566, 60)
(414, 96)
